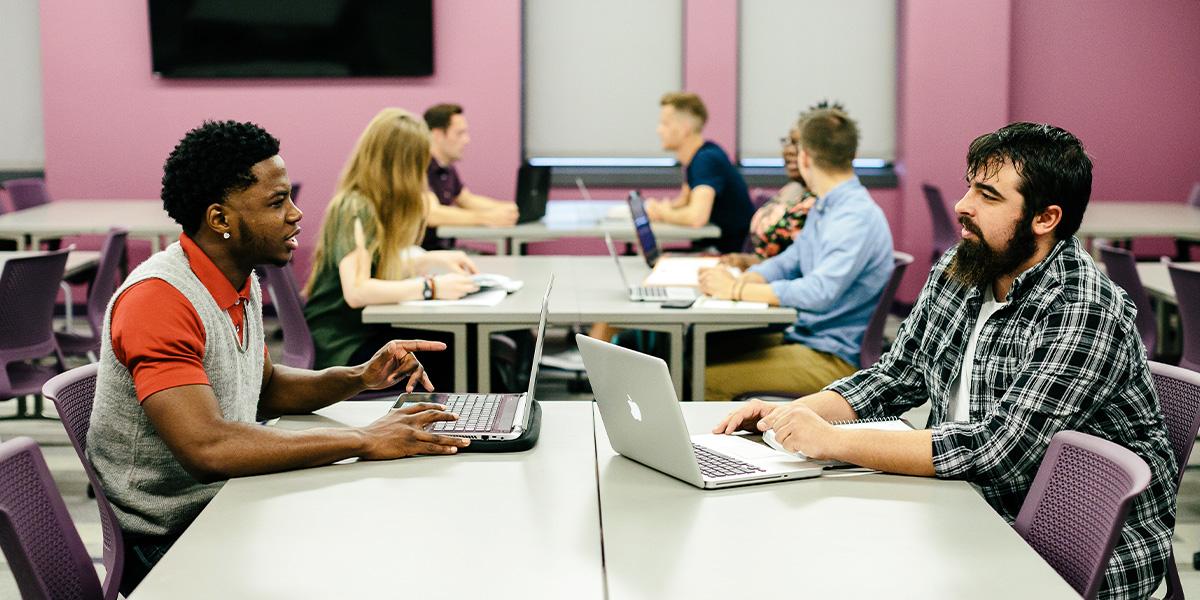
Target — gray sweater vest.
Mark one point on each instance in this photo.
(150, 490)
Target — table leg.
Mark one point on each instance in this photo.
(699, 353)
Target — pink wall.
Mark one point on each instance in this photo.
(710, 67)
(110, 123)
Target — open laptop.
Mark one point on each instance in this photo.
(491, 417)
(644, 423)
(641, 227)
(648, 294)
(666, 271)
(533, 190)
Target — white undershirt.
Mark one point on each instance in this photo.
(960, 392)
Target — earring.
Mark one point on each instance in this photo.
(225, 235)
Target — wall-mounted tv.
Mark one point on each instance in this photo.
(292, 38)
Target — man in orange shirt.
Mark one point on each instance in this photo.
(184, 374)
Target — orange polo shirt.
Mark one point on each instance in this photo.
(157, 333)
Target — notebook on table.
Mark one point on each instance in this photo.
(880, 424)
(648, 294)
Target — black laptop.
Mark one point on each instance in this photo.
(533, 189)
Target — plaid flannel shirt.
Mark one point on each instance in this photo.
(1062, 355)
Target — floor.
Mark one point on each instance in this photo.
(72, 483)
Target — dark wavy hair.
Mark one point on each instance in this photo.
(211, 161)
(1054, 169)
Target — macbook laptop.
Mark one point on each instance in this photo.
(492, 417)
(533, 190)
(644, 423)
(641, 227)
(648, 294)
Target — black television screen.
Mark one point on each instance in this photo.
(293, 38)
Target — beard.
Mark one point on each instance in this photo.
(263, 250)
(976, 263)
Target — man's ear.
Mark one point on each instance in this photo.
(216, 220)
(1045, 222)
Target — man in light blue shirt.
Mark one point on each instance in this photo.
(833, 275)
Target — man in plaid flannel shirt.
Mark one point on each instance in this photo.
(1015, 337)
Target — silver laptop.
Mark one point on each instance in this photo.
(644, 423)
(648, 294)
(488, 416)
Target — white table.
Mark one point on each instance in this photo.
(574, 219)
(1123, 220)
(864, 536)
(587, 289)
(144, 219)
(517, 526)
(77, 261)
(1157, 280)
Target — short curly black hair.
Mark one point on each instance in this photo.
(211, 161)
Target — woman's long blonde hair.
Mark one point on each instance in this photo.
(389, 167)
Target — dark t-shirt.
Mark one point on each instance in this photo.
(446, 185)
(731, 209)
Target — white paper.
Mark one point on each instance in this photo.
(681, 271)
(485, 298)
(710, 302)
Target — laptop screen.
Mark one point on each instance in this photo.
(541, 337)
(641, 225)
(613, 253)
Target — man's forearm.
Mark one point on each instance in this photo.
(903, 452)
(440, 215)
(244, 449)
(300, 391)
(473, 201)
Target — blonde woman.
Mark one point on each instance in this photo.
(366, 252)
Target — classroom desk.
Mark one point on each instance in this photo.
(145, 219)
(573, 219)
(862, 536)
(587, 289)
(1157, 280)
(77, 261)
(514, 526)
(1124, 220)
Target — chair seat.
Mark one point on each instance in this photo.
(28, 378)
(75, 343)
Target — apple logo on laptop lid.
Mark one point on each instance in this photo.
(634, 409)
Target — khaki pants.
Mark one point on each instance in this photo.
(738, 364)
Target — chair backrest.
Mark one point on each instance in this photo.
(298, 349)
(1194, 197)
(27, 193)
(73, 394)
(47, 558)
(29, 287)
(1121, 267)
(1178, 391)
(872, 342)
(112, 255)
(1076, 507)
(1187, 293)
(945, 234)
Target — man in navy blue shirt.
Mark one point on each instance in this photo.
(832, 275)
(715, 191)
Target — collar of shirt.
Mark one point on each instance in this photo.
(840, 191)
(436, 168)
(211, 277)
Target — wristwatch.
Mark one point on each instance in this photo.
(428, 292)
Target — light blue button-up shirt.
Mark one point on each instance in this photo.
(834, 272)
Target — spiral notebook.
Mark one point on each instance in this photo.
(881, 424)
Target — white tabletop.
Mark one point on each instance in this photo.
(864, 536)
(519, 526)
(1157, 280)
(1108, 219)
(575, 219)
(142, 218)
(77, 260)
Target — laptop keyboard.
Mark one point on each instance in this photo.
(713, 464)
(653, 292)
(476, 412)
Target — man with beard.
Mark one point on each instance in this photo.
(1015, 337)
(184, 373)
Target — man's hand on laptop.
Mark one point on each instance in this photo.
(401, 433)
(394, 361)
(799, 428)
(746, 417)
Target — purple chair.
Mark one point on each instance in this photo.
(1187, 292)
(872, 342)
(29, 287)
(1179, 395)
(73, 393)
(112, 256)
(37, 534)
(1076, 507)
(27, 193)
(1121, 267)
(945, 232)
